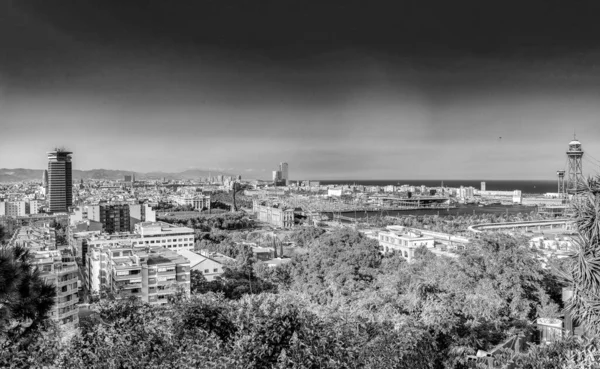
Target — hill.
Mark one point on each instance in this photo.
(23, 175)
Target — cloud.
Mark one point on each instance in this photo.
(249, 170)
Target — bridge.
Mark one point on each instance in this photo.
(533, 225)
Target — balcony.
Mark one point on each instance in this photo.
(128, 285)
(66, 281)
(126, 277)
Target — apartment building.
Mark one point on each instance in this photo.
(60, 269)
(150, 274)
(57, 267)
(404, 242)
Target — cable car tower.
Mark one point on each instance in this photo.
(574, 155)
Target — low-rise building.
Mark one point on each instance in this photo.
(166, 235)
(209, 267)
(198, 202)
(404, 242)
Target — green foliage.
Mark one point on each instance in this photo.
(303, 236)
(206, 223)
(583, 274)
(24, 295)
(341, 263)
(569, 353)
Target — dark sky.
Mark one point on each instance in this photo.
(339, 89)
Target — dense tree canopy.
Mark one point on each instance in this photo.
(340, 304)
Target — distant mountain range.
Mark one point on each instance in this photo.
(20, 174)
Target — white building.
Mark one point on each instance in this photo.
(334, 192)
(405, 242)
(14, 209)
(31, 207)
(198, 202)
(210, 268)
(517, 199)
(169, 236)
(163, 234)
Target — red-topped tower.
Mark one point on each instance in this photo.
(574, 154)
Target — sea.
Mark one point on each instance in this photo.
(526, 186)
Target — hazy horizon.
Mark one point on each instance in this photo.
(336, 90)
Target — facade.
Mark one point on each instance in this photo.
(150, 274)
(147, 234)
(198, 202)
(139, 213)
(405, 242)
(283, 168)
(273, 214)
(60, 269)
(163, 234)
(60, 181)
(14, 209)
(210, 268)
(114, 217)
(31, 207)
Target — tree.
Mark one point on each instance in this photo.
(584, 275)
(25, 298)
(237, 187)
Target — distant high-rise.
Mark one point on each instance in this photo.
(60, 181)
(45, 179)
(482, 186)
(276, 176)
(283, 168)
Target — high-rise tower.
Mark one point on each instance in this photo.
(283, 168)
(45, 180)
(574, 154)
(60, 181)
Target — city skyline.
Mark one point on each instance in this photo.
(333, 102)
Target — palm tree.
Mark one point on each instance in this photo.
(584, 274)
(25, 298)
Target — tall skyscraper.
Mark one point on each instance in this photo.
(482, 186)
(60, 181)
(283, 168)
(45, 179)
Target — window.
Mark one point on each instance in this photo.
(216, 270)
(206, 271)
